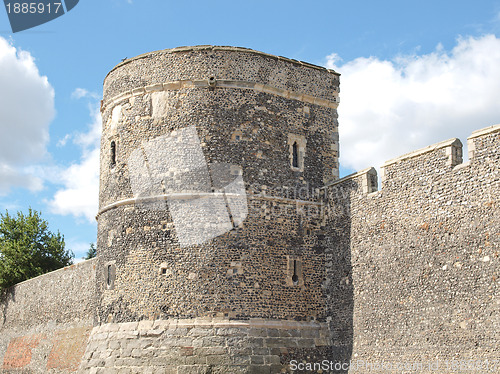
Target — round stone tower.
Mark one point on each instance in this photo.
(209, 224)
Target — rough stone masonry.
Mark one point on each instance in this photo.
(227, 243)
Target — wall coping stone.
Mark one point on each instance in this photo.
(443, 144)
(446, 143)
(351, 176)
(484, 131)
(66, 268)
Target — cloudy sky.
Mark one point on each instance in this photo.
(413, 73)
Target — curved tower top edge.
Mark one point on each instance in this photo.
(221, 48)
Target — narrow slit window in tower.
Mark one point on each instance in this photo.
(113, 153)
(295, 277)
(296, 150)
(295, 155)
(109, 276)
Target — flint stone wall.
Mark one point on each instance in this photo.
(246, 119)
(425, 255)
(46, 321)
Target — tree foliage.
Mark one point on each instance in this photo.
(28, 248)
(91, 253)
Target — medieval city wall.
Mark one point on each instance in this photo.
(45, 322)
(424, 252)
(304, 272)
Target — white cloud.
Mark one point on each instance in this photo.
(24, 177)
(62, 142)
(81, 186)
(388, 108)
(87, 139)
(79, 195)
(79, 93)
(91, 138)
(26, 110)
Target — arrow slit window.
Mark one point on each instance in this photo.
(297, 150)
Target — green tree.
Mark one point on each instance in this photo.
(91, 253)
(28, 248)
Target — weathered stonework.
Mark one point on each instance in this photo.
(307, 267)
(248, 109)
(425, 256)
(201, 345)
(45, 322)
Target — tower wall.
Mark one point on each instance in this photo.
(269, 123)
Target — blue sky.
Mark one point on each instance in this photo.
(413, 73)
